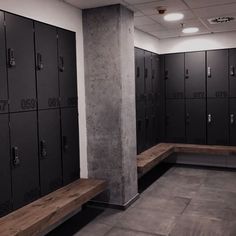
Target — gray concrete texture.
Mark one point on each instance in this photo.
(110, 100)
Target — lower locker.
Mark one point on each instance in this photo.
(140, 136)
(5, 167)
(24, 158)
(217, 121)
(70, 144)
(175, 120)
(49, 150)
(196, 121)
(233, 121)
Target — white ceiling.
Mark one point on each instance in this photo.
(196, 13)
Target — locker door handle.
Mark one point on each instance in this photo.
(146, 72)
(209, 72)
(232, 71)
(61, 64)
(39, 61)
(166, 74)
(186, 73)
(188, 118)
(16, 159)
(209, 119)
(65, 143)
(11, 57)
(43, 149)
(138, 71)
(232, 119)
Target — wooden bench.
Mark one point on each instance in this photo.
(44, 214)
(153, 156)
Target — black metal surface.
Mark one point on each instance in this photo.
(232, 70)
(196, 121)
(21, 63)
(50, 150)
(232, 121)
(217, 121)
(195, 75)
(70, 144)
(67, 68)
(24, 146)
(46, 66)
(217, 75)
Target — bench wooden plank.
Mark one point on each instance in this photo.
(42, 214)
(153, 156)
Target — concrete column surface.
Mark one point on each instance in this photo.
(110, 100)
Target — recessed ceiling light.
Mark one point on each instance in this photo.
(173, 16)
(190, 30)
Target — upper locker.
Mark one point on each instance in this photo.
(217, 74)
(3, 69)
(195, 75)
(232, 73)
(46, 66)
(21, 63)
(67, 68)
(174, 75)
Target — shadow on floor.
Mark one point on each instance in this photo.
(148, 179)
(77, 222)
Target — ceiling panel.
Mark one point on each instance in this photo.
(83, 4)
(150, 28)
(143, 20)
(206, 3)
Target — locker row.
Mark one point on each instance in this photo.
(37, 65)
(201, 121)
(200, 74)
(39, 153)
(147, 98)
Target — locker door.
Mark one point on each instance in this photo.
(174, 75)
(195, 75)
(3, 69)
(196, 121)
(217, 119)
(148, 73)
(67, 68)
(21, 63)
(140, 130)
(5, 167)
(70, 144)
(233, 121)
(175, 120)
(232, 71)
(24, 155)
(217, 74)
(50, 150)
(46, 65)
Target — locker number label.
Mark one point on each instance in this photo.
(27, 104)
(3, 105)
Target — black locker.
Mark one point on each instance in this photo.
(21, 63)
(232, 121)
(196, 121)
(3, 69)
(70, 144)
(24, 157)
(49, 150)
(195, 74)
(5, 167)
(175, 120)
(232, 71)
(67, 68)
(46, 65)
(218, 121)
(174, 75)
(217, 74)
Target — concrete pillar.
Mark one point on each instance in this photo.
(110, 101)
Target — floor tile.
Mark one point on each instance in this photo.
(149, 221)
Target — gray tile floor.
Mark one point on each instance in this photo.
(184, 201)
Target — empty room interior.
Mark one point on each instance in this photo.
(118, 118)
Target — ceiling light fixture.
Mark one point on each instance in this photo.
(173, 16)
(190, 30)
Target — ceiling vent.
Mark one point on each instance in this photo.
(220, 20)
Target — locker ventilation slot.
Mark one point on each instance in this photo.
(220, 20)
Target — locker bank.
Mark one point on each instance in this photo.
(117, 117)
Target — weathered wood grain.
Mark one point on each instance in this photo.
(37, 217)
(153, 156)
